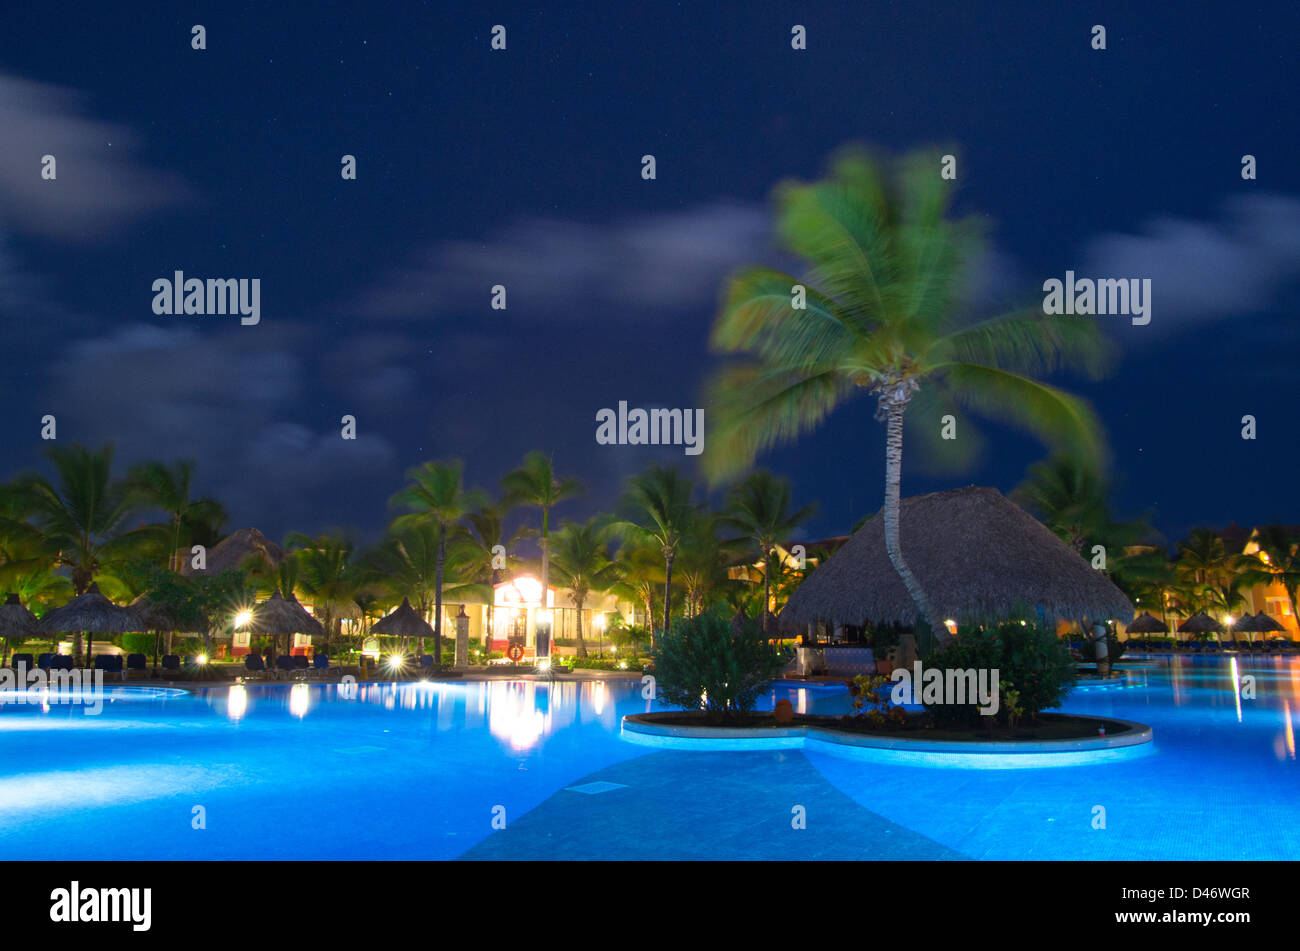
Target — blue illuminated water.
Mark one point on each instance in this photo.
(424, 771)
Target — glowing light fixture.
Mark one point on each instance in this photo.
(242, 618)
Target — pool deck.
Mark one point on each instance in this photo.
(749, 813)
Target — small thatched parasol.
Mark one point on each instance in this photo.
(1266, 625)
(1259, 623)
(93, 613)
(157, 619)
(1145, 623)
(1200, 623)
(979, 557)
(404, 621)
(15, 621)
(279, 615)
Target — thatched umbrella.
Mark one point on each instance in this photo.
(158, 620)
(15, 621)
(93, 613)
(1266, 625)
(980, 558)
(1200, 623)
(279, 615)
(404, 621)
(1259, 623)
(1145, 623)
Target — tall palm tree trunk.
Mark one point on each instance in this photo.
(437, 597)
(893, 405)
(668, 594)
(546, 578)
(767, 587)
(582, 646)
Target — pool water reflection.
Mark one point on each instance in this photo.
(419, 771)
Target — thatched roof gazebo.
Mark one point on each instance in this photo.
(95, 614)
(15, 621)
(234, 551)
(980, 558)
(280, 615)
(404, 621)
(1146, 623)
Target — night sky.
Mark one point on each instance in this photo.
(522, 167)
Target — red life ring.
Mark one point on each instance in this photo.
(515, 652)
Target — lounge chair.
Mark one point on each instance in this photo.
(285, 662)
(254, 664)
(320, 663)
(110, 664)
(137, 663)
(61, 662)
(172, 663)
(25, 659)
(426, 662)
(43, 661)
(301, 662)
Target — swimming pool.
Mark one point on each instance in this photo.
(435, 771)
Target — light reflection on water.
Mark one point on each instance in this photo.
(520, 714)
(1222, 782)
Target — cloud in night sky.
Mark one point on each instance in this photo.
(220, 398)
(1235, 264)
(560, 270)
(100, 182)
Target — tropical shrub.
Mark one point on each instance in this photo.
(1035, 669)
(633, 640)
(706, 663)
(871, 697)
(137, 643)
(604, 663)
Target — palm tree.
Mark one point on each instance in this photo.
(27, 556)
(659, 509)
(84, 513)
(472, 553)
(535, 483)
(759, 508)
(1203, 560)
(639, 569)
(703, 563)
(405, 565)
(1068, 497)
(1278, 560)
(581, 560)
(437, 496)
(880, 313)
(168, 488)
(327, 577)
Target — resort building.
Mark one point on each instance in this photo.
(796, 556)
(1273, 598)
